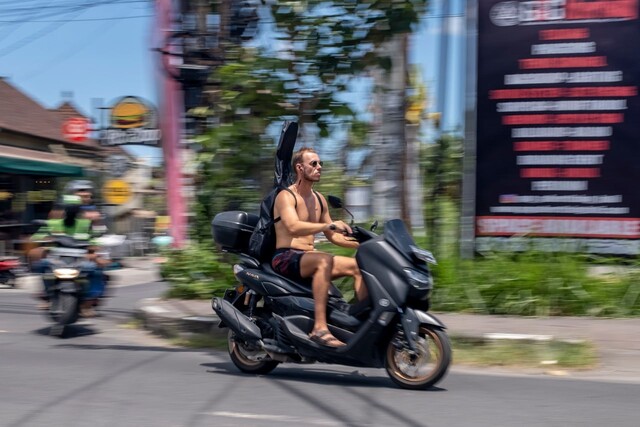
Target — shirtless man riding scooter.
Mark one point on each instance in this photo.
(303, 214)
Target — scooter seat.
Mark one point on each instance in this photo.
(303, 287)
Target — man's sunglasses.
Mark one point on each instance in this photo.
(315, 163)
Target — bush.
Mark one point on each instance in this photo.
(532, 284)
(197, 271)
(525, 284)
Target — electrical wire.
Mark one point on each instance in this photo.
(35, 12)
(76, 10)
(11, 28)
(34, 36)
(72, 51)
(114, 18)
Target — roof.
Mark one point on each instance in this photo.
(19, 113)
(67, 110)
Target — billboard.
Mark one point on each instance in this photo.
(132, 120)
(557, 126)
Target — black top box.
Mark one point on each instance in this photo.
(232, 230)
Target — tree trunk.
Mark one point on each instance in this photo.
(390, 162)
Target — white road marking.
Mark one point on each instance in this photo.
(500, 336)
(277, 418)
(155, 309)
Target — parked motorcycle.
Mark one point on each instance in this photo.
(10, 269)
(270, 317)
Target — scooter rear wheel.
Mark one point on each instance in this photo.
(424, 369)
(247, 359)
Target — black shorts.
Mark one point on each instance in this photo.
(286, 261)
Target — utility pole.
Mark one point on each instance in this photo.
(444, 65)
(171, 112)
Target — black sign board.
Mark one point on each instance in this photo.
(557, 126)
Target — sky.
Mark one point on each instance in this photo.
(54, 52)
(92, 52)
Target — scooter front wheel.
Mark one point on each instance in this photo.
(64, 308)
(424, 368)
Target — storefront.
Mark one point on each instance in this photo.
(28, 191)
(35, 164)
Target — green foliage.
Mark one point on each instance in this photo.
(323, 47)
(532, 284)
(523, 353)
(235, 160)
(442, 168)
(197, 271)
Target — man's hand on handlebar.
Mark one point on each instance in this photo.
(340, 227)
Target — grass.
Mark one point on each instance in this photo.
(523, 353)
(472, 351)
(200, 341)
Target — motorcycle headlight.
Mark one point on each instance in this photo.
(418, 280)
(423, 254)
(66, 273)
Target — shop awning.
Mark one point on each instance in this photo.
(33, 167)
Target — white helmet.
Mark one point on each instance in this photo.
(78, 185)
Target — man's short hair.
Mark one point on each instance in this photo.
(297, 156)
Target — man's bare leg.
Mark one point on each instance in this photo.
(320, 266)
(346, 266)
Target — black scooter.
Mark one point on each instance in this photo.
(269, 316)
(66, 274)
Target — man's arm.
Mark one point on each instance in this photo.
(285, 206)
(336, 237)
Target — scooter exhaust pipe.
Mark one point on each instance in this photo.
(244, 328)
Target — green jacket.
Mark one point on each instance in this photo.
(80, 231)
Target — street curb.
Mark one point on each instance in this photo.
(162, 322)
(169, 324)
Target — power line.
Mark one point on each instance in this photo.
(27, 14)
(9, 29)
(68, 5)
(115, 18)
(69, 53)
(72, 11)
(34, 36)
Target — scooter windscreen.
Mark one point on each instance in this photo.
(397, 235)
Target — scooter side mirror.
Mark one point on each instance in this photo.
(335, 202)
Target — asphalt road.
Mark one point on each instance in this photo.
(107, 374)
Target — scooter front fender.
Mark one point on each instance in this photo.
(429, 319)
(68, 287)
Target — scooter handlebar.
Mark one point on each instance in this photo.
(360, 234)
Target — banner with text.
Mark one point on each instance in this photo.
(558, 135)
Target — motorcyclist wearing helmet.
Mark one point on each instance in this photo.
(84, 189)
(73, 225)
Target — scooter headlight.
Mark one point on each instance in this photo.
(423, 254)
(66, 273)
(418, 280)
